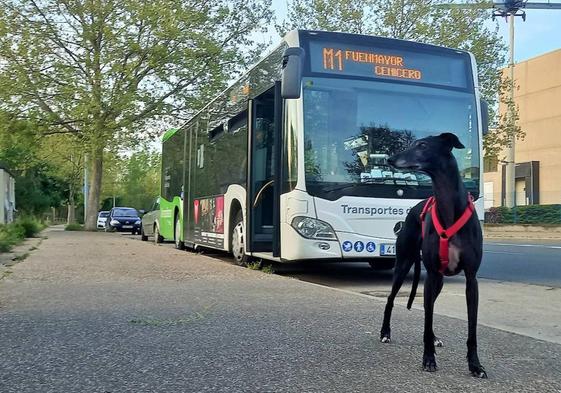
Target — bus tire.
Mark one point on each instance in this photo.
(157, 237)
(143, 236)
(177, 235)
(382, 264)
(237, 241)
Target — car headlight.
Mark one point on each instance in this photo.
(312, 228)
(137, 222)
(114, 222)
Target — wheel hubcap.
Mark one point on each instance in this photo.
(237, 242)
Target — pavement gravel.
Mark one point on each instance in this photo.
(98, 312)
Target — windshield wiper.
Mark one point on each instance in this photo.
(381, 182)
(349, 186)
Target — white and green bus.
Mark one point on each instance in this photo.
(289, 163)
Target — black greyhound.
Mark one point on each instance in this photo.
(462, 251)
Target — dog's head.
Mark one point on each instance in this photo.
(427, 154)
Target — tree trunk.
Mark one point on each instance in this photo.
(95, 188)
(71, 215)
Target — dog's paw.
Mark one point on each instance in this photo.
(386, 339)
(478, 371)
(438, 342)
(429, 363)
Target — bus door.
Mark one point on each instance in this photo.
(264, 156)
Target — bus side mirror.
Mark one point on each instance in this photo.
(484, 105)
(291, 79)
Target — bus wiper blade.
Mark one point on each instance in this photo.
(350, 186)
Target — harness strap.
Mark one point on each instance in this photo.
(445, 234)
(431, 201)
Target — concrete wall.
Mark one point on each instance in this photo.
(7, 197)
(538, 96)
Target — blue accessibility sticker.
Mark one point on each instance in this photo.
(347, 246)
(370, 246)
(359, 246)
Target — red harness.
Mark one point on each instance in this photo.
(445, 234)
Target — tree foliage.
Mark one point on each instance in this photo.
(136, 179)
(108, 66)
(37, 187)
(506, 127)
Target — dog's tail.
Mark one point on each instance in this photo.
(416, 277)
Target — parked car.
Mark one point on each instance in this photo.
(101, 218)
(123, 219)
(151, 223)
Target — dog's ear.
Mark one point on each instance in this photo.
(451, 140)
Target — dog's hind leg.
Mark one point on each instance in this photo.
(433, 282)
(472, 299)
(400, 272)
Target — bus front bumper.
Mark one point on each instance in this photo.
(349, 246)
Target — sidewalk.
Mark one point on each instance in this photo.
(98, 312)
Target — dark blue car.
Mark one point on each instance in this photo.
(123, 219)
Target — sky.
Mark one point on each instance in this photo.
(540, 33)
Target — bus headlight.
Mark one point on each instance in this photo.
(312, 228)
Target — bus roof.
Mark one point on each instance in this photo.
(291, 38)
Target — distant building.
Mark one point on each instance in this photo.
(7, 196)
(538, 156)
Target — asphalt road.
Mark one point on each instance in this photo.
(528, 263)
(524, 262)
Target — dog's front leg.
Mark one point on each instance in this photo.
(472, 299)
(433, 283)
(400, 272)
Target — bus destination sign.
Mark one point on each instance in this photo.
(380, 64)
(449, 68)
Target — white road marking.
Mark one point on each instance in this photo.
(524, 245)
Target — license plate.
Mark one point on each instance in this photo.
(127, 226)
(387, 249)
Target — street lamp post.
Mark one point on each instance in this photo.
(510, 178)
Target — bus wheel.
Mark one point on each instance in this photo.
(157, 237)
(177, 230)
(237, 241)
(382, 264)
(143, 237)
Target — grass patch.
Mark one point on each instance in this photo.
(268, 269)
(254, 265)
(14, 233)
(74, 227)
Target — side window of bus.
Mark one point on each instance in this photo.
(238, 123)
(216, 132)
(201, 156)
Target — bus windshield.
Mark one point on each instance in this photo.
(352, 126)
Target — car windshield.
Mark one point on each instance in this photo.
(125, 213)
(351, 127)
(103, 214)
